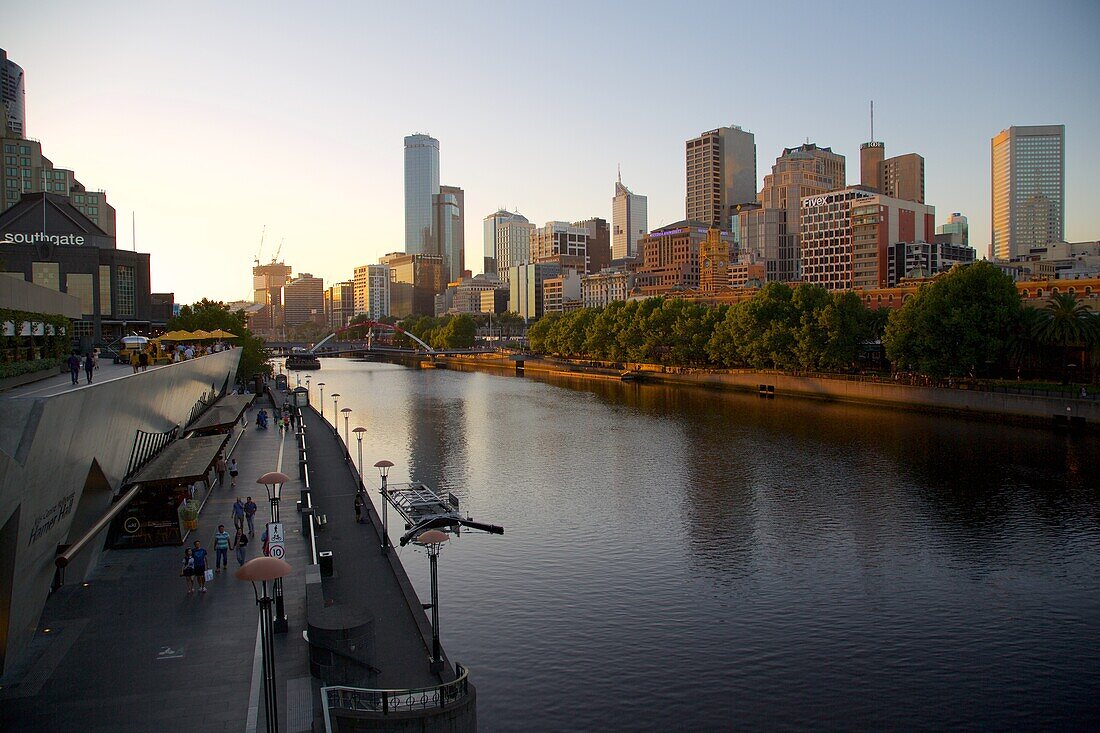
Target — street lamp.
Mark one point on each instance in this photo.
(384, 470)
(321, 402)
(273, 484)
(307, 386)
(335, 417)
(359, 437)
(347, 414)
(266, 569)
(432, 541)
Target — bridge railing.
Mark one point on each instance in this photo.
(340, 699)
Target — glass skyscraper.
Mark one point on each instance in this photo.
(421, 186)
(1029, 183)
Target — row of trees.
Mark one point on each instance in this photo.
(969, 322)
(211, 315)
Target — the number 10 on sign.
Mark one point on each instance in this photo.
(275, 546)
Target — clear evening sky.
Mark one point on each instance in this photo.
(211, 120)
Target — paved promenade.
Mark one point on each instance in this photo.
(131, 651)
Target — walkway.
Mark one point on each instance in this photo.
(131, 651)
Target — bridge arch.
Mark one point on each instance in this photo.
(372, 324)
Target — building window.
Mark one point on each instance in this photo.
(125, 304)
(82, 328)
(79, 285)
(46, 274)
(105, 290)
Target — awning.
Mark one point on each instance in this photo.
(183, 461)
(223, 414)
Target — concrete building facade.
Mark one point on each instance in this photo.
(372, 288)
(721, 173)
(598, 246)
(915, 260)
(1029, 184)
(415, 280)
(304, 300)
(563, 243)
(448, 210)
(268, 282)
(955, 230)
(12, 98)
(630, 222)
(603, 288)
(670, 258)
(525, 288)
(340, 303)
(512, 242)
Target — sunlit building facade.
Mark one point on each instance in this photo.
(629, 220)
(421, 186)
(1029, 182)
(721, 173)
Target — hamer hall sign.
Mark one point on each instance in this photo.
(43, 238)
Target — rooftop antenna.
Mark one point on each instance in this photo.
(133, 229)
(872, 120)
(620, 174)
(261, 249)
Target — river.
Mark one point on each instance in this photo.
(686, 559)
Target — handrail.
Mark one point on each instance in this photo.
(363, 700)
(66, 557)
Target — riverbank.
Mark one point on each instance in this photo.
(1035, 409)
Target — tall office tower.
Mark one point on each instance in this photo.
(955, 230)
(513, 242)
(1029, 185)
(12, 98)
(304, 300)
(598, 247)
(629, 219)
(714, 262)
(489, 239)
(871, 156)
(339, 304)
(268, 282)
(721, 173)
(371, 291)
(563, 243)
(450, 241)
(421, 185)
(414, 280)
(801, 171)
(903, 177)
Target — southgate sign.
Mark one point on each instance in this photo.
(43, 238)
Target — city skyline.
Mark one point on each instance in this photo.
(334, 194)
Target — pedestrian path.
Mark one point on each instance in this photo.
(130, 650)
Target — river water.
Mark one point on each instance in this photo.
(686, 559)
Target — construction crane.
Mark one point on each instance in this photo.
(277, 251)
(261, 249)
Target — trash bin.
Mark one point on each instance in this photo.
(324, 559)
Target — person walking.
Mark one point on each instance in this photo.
(143, 360)
(239, 543)
(187, 572)
(89, 366)
(359, 507)
(233, 470)
(250, 514)
(221, 549)
(238, 513)
(220, 466)
(74, 367)
(95, 358)
(135, 362)
(199, 556)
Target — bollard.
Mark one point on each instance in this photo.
(324, 559)
(302, 469)
(307, 517)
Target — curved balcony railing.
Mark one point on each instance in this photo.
(385, 702)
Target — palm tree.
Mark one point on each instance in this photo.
(1069, 323)
(1025, 345)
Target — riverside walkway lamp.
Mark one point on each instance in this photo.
(347, 414)
(359, 437)
(273, 484)
(432, 540)
(384, 470)
(265, 570)
(335, 412)
(321, 402)
(307, 387)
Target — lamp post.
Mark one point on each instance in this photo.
(384, 470)
(432, 541)
(321, 402)
(266, 569)
(335, 416)
(347, 414)
(273, 484)
(308, 394)
(359, 437)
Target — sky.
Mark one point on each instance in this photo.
(207, 122)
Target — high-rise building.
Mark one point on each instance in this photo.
(773, 240)
(954, 231)
(415, 280)
(1029, 182)
(562, 293)
(721, 173)
(922, 260)
(421, 186)
(903, 177)
(605, 287)
(714, 262)
(448, 210)
(268, 282)
(871, 156)
(670, 258)
(563, 243)
(12, 98)
(512, 234)
(630, 222)
(598, 246)
(304, 300)
(525, 287)
(339, 304)
(372, 291)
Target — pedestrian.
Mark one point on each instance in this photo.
(220, 466)
(189, 353)
(199, 556)
(221, 549)
(74, 367)
(238, 513)
(233, 470)
(95, 357)
(135, 362)
(263, 538)
(359, 507)
(249, 514)
(89, 366)
(187, 572)
(143, 360)
(239, 543)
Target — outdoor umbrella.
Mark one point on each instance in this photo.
(219, 333)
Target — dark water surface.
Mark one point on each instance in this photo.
(688, 559)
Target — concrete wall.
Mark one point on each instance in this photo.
(26, 296)
(51, 448)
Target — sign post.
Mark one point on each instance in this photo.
(276, 547)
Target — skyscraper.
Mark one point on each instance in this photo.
(421, 186)
(1029, 182)
(903, 177)
(598, 247)
(954, 231)
(12, 98)
(629, 220)
(721, 173)
(512, 241)
(449, 221)
(304, 300)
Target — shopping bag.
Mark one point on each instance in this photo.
(209, 575)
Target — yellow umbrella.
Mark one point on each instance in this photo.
(201, 335)
(218, 333)
(175, 336)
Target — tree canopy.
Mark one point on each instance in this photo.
(210, 315)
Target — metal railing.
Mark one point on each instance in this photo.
(384, 702)
(146, 447)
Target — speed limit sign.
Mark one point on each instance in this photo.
(275, 547)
